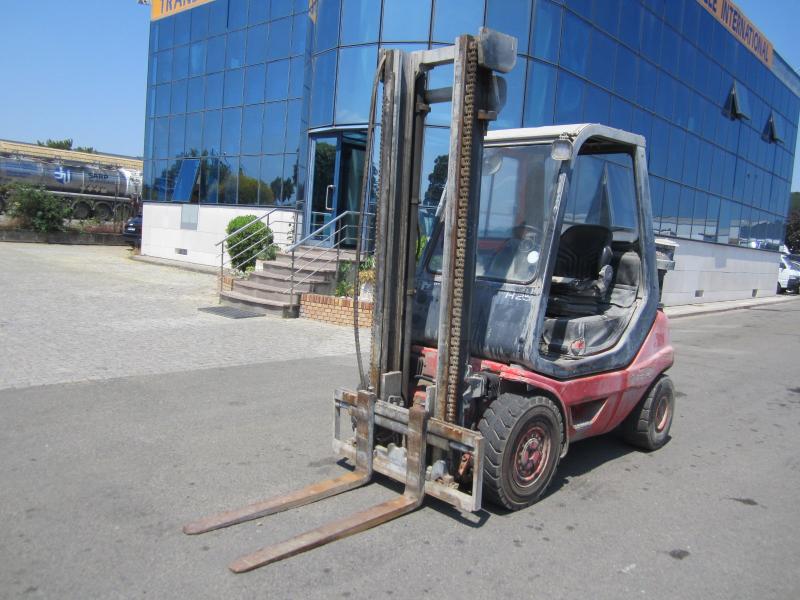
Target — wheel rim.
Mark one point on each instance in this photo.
(663, 411)
(531, 455)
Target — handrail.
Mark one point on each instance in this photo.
(336, 236)
(261, 218)
(237, 244)
(319, 229)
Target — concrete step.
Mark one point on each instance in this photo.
(282, 281)
(262, 305)
(259, 289)
(284, 267)
(308, 263)
(314, 251)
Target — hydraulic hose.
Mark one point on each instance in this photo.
(365, 383)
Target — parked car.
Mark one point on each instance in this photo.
(788, 275)
(133, 231)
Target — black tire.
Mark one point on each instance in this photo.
(780, 289)
(81, 211)
(513, 427)
(647, 427)
(103, 212)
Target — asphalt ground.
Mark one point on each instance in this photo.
(100, 469)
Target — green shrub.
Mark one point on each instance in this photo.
(344, 280)
(250, 242)
(36, 209)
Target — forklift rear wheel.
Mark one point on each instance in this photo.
(524, 436)
(647, 426)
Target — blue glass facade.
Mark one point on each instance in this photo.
(244, 84)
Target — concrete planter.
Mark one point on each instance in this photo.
(63, 237)
(332, 309)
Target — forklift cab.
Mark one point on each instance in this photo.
(566, 282)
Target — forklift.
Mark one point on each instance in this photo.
(530, 320)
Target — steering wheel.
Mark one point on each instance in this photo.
(527, 238)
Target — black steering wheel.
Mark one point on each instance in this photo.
(529, 237)
(526, 238)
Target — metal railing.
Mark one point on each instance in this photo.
(315, 252)
(336, 237)
(226, 248)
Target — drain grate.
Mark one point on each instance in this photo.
(230, 312)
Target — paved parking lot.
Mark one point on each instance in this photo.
(78, 313)
(142, 424)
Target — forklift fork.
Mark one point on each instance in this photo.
(407, 465)
(362, 410)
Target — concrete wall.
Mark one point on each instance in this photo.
(720, 272)
(163, 237)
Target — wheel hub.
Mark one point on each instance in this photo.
(662, 413)
(531, 455)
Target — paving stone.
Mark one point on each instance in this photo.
(77, 313)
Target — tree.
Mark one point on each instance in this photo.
(793, 232)
(436, 181)
(794, 201)
(36, 209)
(65, 144)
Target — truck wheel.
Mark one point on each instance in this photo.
(103, 212)
(81, 211)
(780, 289)
(647, 426)
(523, 437)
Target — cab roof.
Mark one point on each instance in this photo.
(577, 133)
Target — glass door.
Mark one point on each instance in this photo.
(323, 201)
(338, 162)
(353, 151)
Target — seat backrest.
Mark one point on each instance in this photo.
(582, 251)
(627, 274)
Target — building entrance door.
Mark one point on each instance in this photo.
(337, 168)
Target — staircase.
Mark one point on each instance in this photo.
(275, 286)
(269, 289)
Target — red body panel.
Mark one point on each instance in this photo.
(614, 394)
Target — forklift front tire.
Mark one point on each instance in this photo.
(523, 437)
(647, 426)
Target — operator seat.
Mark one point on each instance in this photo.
(583, 273)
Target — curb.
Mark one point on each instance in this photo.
(177, 264)
(69, 238)
(693, 310)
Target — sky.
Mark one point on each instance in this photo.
(77, 68)
(74, 69)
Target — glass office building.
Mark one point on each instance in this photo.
(265, 102)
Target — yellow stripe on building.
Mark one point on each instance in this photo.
(742, 28)
(167, 8)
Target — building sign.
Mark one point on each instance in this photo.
(742, 28)
(167, 8)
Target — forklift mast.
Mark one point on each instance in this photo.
(477, 95)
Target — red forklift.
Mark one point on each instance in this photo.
(530, 320)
